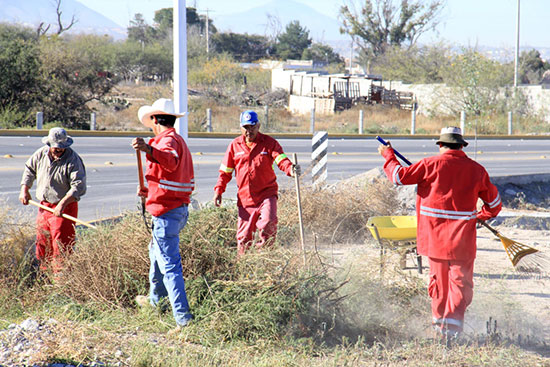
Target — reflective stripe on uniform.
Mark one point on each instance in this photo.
(181, 184)
(226, 169)
(177, 186)
(495, 202)
(447, 214)
(447, 321)
(395, 176)
(172, 188)
(174, 153)
(280, 157)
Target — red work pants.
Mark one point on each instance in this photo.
(263, 218)
(54, 236)
(451, 289)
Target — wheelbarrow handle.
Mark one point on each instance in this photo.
(395, 151)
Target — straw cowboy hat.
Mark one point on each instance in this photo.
(57, 138)
(452, 135)
(161, 106)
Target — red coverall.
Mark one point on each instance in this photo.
(257, 186)
(449, 186)
(54, 235)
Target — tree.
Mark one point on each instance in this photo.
(242, 47)
(321, 52)
(139, 31)
(19, 62)
(531, 67)
(293, 41)
(73, 73)
(476, 83)
(424, 64)
(43, 29)
(384, 23)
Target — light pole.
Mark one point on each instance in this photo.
(180, 66)
(516, 58)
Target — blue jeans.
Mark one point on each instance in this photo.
(165, 274)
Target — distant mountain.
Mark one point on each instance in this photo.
(321, 28)
(32, 12)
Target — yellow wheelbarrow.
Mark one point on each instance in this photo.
(396, 233)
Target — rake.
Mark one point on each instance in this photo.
(516, 251)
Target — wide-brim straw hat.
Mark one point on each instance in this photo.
(451, 135)
(162, 106)
(57, 138)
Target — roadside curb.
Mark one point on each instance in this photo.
(105, 133)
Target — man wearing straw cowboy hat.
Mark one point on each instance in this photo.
(251, 156)
(449, 185)
(61, 181)
(170, 181)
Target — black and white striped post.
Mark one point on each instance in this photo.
(319, 157)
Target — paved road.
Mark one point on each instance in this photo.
(112, 172)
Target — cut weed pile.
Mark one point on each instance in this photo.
(265, 309)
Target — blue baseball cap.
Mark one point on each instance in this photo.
(249, 117)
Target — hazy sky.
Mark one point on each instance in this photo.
(464, 22)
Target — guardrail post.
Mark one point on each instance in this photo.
(413, 118)
(39, 120)
(312, 124)
(92, 121)
(266, 117)
(361, 122)
(510, 118)
(319, 158)
(209, 120)
(462, 121)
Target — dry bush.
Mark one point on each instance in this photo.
(109, 266)
(17, 265)
(339, 213)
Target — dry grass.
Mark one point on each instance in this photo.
(337, 214)
(17, 264)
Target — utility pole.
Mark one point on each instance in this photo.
(180, 66)
(208, 33)
(516, 58)
(351, 55)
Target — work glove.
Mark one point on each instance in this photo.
(296, 170)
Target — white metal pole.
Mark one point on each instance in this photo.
(180, 66)
(516, 58)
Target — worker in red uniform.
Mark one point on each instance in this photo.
(449, 186)
(251, 156)
(171, 181)
(60, 178)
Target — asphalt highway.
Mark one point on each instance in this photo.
(112, 171)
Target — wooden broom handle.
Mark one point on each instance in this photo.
(66, 216)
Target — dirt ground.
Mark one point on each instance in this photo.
(508, 304)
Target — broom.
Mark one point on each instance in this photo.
(516, 251)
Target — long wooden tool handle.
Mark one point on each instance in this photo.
(140, 177)
(484, 224)
(299, 201)
(66, 216)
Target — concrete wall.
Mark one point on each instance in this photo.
(430, 97)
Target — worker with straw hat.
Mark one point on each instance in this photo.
(61, 181)
(449, 185)
(171, 181)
